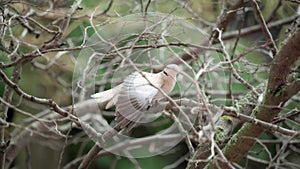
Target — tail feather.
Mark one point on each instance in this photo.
(108, 97)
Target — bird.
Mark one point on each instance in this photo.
(137, 94)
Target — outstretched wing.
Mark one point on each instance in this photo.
(135, 97)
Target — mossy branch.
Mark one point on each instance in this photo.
(274, 99)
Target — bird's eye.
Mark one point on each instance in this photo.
(165, 73)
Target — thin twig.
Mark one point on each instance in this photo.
(265, 125)
(264, 27)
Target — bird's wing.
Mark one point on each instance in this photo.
(136, 96)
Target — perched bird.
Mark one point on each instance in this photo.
(137, 93)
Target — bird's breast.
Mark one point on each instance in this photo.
(168, 85)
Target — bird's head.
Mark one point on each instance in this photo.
(171, 71)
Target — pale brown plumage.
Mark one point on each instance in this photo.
(136, 94)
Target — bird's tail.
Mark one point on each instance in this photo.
(108, 97)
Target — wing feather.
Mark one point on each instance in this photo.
(135, 97)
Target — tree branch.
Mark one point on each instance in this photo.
(293, 88)
(264, 27)
(47, 102)
(274, 99)
(263, 124)
(224, 127)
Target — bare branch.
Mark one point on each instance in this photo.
(263, 124)
(42, 101)
(264, 27)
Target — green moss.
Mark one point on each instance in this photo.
(220, 135)
(228, 118)
(281, 91)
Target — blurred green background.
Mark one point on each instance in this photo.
(51, 75)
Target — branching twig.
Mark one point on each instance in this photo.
(263, 124)
(47, 102)
(234, 72)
